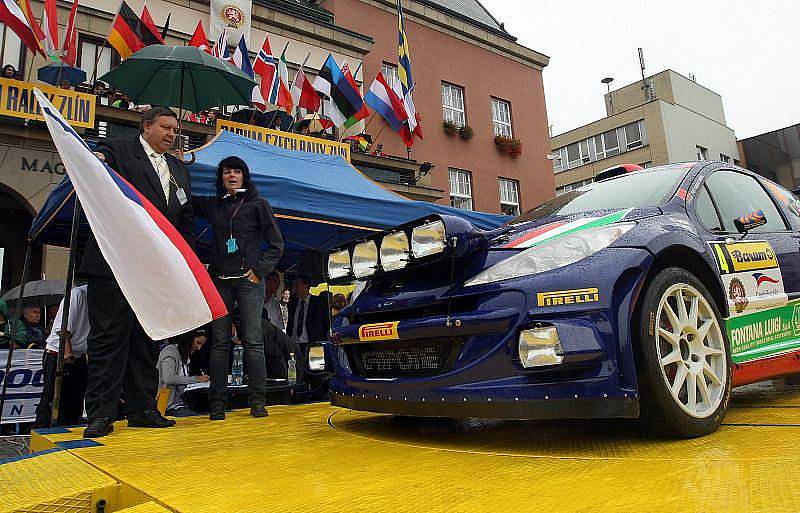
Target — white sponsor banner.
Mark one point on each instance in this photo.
(25, 383)
(234, 14)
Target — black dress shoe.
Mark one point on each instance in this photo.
(258, 410)
(217, 412)
(101, 426)
(149, 419)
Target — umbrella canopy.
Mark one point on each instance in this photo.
(315, 123)
(48, 291)
(58, 73)
(180, 76)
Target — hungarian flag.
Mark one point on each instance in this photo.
(128, 33)
(13, 17)
(364, 112)
(285, 99)
(71, 37)
(303, 92)
(50, 25)
(150, 24)
(199, 38)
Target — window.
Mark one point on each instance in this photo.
(736, 194)
(453, 104)
(633, 135)
(571, 186)
(89, 50)
(460, 189)
(705, 211)
(501, 117)
(646, 164)
(559, 160)
(611, 143)
(573, 155)
(702, 153)
(509, 197)
(785, 198)
(390, 74)
(11, 52)
(724, 158)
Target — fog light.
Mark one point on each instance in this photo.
(540, 347)
(316, 358)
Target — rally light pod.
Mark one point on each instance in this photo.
(365, 259)
(394, 251)
(428, 239)
(339, 264)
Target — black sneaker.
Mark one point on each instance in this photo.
(258, 411)
(217, 413)
(149, 419)
(98, 427)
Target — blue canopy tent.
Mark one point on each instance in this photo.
(320, 201)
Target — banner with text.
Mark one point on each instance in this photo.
(765, 333)
(17, 100)
(286, 140)
(25, 383)
(233, 15)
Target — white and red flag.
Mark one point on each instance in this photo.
(145, 252)
(199, 38)
(50, 26)
(71, 37)
(303, 92)
(15, 19)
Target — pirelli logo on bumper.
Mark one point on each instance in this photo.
(378, 331)
(568, 297)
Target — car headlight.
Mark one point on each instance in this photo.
(564, 250)
(365, 259)
(394, 251)
(428, 239)
(339, 264)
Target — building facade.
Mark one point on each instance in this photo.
(774, 155)
(666, 118)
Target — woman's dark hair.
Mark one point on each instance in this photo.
(235, 163)
(185, 343)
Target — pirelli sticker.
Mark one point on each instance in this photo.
(743, 256)
(378, 331)
(568, 297)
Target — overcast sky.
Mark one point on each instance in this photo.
(747, 51)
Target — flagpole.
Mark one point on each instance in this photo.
(103, 47)
(297, 107)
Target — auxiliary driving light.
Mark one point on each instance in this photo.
(540, 347)
(394, 251)
(365, 259)
(316, 358)
(428, 239)
(339, 264)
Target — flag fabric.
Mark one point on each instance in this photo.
(166, 27)
(220, 49)
(15, 19)
(344, 100)
(363, 113)
(241, 59)
(266, 65)
(25, 5)
(199, 38)
(145, 252)
(405, 132)
(50, 26)
(303, 92)
(128, 33)
(385, 102)
(285, 99)
(324, 78)
(71, 37)
(404, 72)
(148, 22)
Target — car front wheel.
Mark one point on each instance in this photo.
(683, 364)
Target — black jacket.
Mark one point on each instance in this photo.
(127, 157)
(317, 318)
(253, 224)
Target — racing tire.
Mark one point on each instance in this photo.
(683, 357)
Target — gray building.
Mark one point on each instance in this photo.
(774, 155)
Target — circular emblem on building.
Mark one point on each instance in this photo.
(232, 15)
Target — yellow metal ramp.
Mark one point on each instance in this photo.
(317, 458)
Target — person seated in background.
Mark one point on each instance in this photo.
(308, 319)
(52, 311)
(338, 302)
(9, 71)
(10, 333)
(32, 320)
(173, 371)
(272, 307)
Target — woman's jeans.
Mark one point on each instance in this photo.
(249, 298)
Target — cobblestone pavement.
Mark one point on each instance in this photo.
(11, 446)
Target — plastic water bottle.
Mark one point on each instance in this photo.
(236, 370)
(292, 374)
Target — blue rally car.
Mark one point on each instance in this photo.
(650, 293)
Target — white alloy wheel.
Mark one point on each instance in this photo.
(691, 350)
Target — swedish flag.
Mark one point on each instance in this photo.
(404, 57)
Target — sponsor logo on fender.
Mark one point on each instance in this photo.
(568, 297)
(744, 256)
(378, 331)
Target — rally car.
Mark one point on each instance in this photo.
(650, 293)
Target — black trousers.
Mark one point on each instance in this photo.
(121, 355)
(73, 390)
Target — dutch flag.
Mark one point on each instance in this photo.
(385, 102)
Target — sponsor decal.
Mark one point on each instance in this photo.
(378, 331)
(765, 333)
(652, 329)
(744, 256)
(551, 231)
(738, 294)
(762, 278)
(568, 297)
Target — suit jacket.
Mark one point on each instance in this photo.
(128, 158)
(317, 316)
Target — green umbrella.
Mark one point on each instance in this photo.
(180, 76)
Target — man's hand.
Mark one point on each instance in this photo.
(100, 156)
(69, 356)
(250, 275)
(203, 378)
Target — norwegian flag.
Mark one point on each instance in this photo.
(266, 65)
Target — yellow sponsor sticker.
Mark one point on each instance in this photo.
(568, 297)
(744, 256)
(378, 331)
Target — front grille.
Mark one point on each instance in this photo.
(455, 306)
(417, 358)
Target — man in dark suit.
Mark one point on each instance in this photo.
(308, 319)
(121, 355)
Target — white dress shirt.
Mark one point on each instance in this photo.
(273, 309)
(77, 324)
(159, 162)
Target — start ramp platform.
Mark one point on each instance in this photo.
(317, 458)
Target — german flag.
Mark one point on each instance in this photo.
(129, 33)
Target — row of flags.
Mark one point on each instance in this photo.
(42, 39)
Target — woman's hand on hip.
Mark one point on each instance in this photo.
(251, 276)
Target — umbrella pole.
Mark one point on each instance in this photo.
(180, 115)
(62, 334)
(15, 325)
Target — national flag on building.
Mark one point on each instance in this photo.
(142, 248)
(405, 132)
(148, 22)
(303, 92)
(404, 72)
(266, 65)
(50, 26)
(15, 19)
(241, 59)
(324, 78)
(285, 99)
(363, 113)
(199, 38)
(25, 6)
(345, 100)
(128, 33)
(220, 48)
(71, 38)
(385, 102)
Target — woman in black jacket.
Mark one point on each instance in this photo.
(242, 222)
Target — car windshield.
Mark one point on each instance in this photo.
(648, 188)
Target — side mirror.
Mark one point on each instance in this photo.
(749, 221)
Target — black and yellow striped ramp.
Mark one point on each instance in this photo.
(316, 458)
